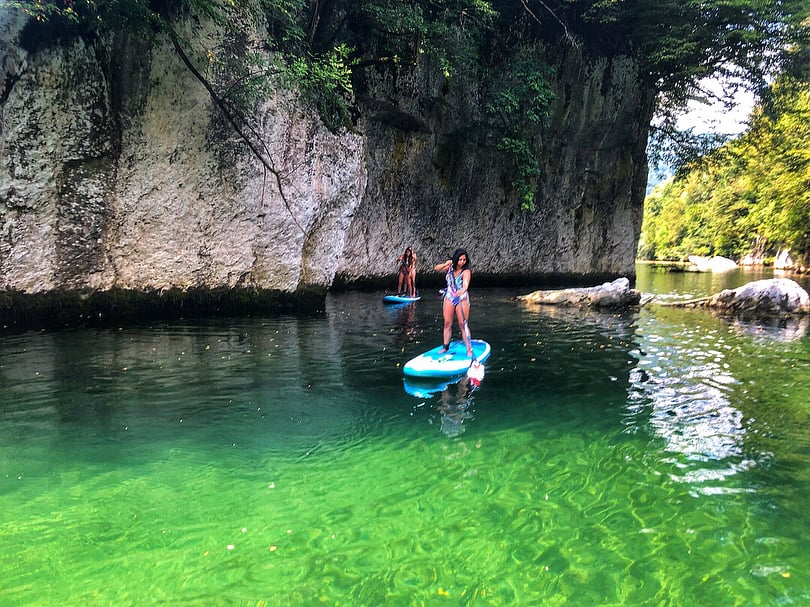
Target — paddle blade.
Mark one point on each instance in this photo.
(475, 373)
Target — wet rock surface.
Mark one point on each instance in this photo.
(773, 296)
(609, 295)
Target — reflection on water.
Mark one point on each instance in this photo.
(688, 384)
(791, 328)
(685, 385)
(404, 316)
(679, 387)
(185, 383)
(456, 407)
(454, 403)
(694, 382)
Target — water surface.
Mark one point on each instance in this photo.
(656, 457)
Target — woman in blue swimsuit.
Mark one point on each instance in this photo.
(456, 299)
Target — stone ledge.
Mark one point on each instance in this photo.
(72, 308)
(769, 297)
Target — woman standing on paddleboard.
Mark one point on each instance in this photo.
(456, 299)
(407, 273)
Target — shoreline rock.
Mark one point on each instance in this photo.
(768, 297)
(609, 295)
(711, 264)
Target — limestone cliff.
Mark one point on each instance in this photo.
(440, 187)
(117, 171)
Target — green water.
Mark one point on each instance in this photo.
(660, 457)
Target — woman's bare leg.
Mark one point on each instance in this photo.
(447, 314)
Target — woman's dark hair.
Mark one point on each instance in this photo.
(458, 253)
(408, 254)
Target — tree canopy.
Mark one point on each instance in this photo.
(678, 42)
(750, 196)
(322, 47)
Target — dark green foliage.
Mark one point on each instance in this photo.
(518, 103)
(322, 47)
(447, 31)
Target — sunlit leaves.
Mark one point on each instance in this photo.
(754, 192)
(42, 10)
(325, 81)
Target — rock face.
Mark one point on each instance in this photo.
(118, 172)
(439, 187)
(616, 294)
(136, 182)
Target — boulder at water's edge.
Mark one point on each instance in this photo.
(763, 297)
(616, 294)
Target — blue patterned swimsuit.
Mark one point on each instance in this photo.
(454, 284)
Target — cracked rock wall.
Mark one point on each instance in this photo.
(117, 170)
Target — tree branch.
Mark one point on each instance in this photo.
(568, 35)
(228, 111)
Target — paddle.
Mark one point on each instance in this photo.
(466, 326)
(467, 335)
(476, 370)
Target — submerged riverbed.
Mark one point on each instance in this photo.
(656, 457)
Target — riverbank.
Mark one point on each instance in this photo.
(63, 308)
(683, 266)
(73, 308)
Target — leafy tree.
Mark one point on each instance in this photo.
(518, 102)
(753, 194)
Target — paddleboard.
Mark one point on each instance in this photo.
(453, 362)
(400, 298)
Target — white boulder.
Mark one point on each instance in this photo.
(711, 264)
(616, 294)
(770, 296)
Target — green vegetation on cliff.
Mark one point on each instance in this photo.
(751, 196)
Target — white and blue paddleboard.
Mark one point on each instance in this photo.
(400, 298)
(453, 362)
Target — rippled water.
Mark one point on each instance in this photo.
(651, 458)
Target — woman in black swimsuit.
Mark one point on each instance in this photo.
(406, 285)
